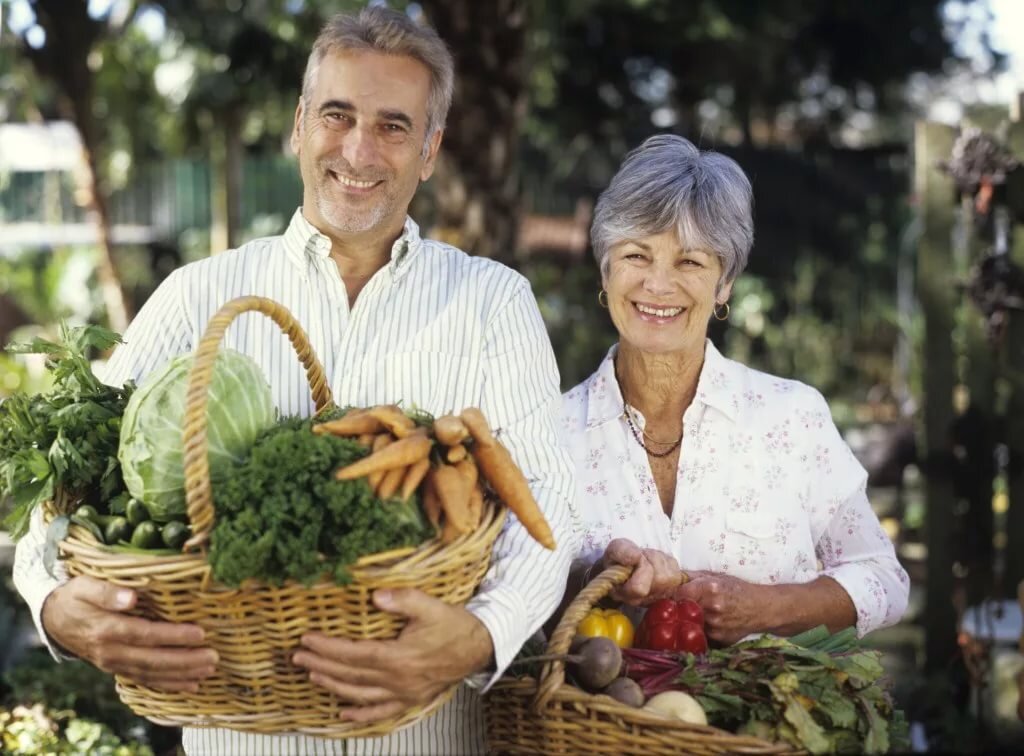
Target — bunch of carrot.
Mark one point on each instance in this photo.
(448, 459)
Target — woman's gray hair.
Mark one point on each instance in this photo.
(667, 183)
(387, 31)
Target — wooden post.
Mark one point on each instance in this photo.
(1012, 354)
(936, 293)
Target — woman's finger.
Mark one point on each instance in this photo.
(638, 586)
(622, 551)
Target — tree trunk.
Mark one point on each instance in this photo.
(476, 184)
(70, 35)
(227, 154)
(935, 293)
(107, 275)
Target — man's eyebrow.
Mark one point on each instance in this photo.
(395, 115)
(336, 105)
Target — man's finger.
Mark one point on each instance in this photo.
(135, 631)
(383, 655)
(159, 662)
(357, 676)
(373, 713)
(408, 602)
(114, 598)
(356, 694)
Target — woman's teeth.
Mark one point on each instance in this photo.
(670, 312)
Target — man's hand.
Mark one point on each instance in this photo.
(441, 644)
(655, 573)
(87, 617)
(733, 608)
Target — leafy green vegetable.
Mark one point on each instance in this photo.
(66, 438)
(281, 514)
(817, 691)
(239, 407)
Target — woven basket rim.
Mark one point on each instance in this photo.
(81, 544)
(551, 686)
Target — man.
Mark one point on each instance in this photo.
(393, 317)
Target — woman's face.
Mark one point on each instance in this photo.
(661, 295)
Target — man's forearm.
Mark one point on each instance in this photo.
(793, 608)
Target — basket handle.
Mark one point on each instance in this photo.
(553, 674)
(198, 496)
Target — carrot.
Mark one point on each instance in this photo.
(390, 483)
(354, 423)
(431, 504)
(392, 418)
(414, 475)
(510, 485)
(468, 470)
(449, 532)
(453, 491)
(402, 453)
(450, 430)
(366, 440)
(456, 453)
(382, 440)
(477, 425)
(476, 506)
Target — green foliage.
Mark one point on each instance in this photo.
(281, 515)
(823, 696)
(66, 438)
(28, 731)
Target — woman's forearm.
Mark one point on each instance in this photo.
(793, 608)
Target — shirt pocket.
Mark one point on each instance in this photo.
(438, 382)
(751, 551)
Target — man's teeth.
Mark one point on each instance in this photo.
(353, 182)
(670, 312)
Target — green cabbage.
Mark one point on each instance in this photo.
(151, 452)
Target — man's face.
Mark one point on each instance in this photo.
(360, 142)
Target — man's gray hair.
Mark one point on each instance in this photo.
(387, 31)
(667, 183)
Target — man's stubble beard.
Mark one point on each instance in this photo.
(352, 220)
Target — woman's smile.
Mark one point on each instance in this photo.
(657, 314)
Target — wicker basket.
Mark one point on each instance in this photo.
(256, 628)
(551, 717)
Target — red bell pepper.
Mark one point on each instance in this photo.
(673, 626)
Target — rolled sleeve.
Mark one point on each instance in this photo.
(525, 581)
(32, 580)
(858, 555)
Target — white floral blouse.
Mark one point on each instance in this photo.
(767, 489)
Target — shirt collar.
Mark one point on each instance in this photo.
(716, 387)
(303, 241)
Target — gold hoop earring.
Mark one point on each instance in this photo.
(717, 310)
(602, 298)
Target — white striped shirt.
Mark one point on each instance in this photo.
(434, 328)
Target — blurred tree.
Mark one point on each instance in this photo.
(477, 185)
(249, 67)
(68, 59)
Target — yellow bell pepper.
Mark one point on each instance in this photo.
(607, 623)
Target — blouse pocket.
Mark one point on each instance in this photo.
(752, 551)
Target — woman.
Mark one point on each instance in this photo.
(687, 459)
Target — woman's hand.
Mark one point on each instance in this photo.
(733, 608)
(655, 573)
